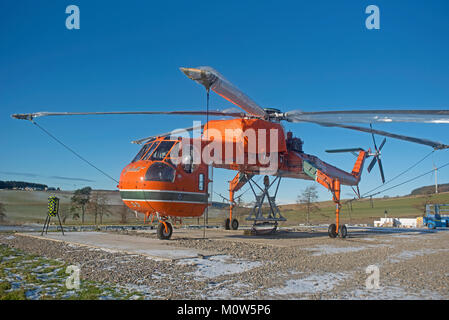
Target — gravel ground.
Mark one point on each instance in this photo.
(296, 264)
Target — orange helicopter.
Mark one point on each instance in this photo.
(169, 177)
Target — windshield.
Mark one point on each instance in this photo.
(148, 154)
(173, 157)
(162, 150)
(142, 152)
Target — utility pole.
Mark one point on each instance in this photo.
(436, 181)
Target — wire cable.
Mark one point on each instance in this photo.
(72, 151)
(206, 215)
(400, 174)
(410, 180)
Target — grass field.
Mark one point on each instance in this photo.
(28, 206)
(32, 206)
(25, 276)
(365, 211)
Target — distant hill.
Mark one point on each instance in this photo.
(430, 189)
(21, 185)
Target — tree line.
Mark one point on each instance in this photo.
(21, 185)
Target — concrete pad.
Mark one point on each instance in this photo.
(153, 248)
(300, 237)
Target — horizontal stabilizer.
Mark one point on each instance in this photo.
(344, 150)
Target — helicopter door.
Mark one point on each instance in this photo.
(198, 173)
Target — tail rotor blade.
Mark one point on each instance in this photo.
(381, 171)
(371, 165)
(382, 144)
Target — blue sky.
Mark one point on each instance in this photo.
(309, 55)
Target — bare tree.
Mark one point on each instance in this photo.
(307, 199)
(2, 212)
(64, 212)
(97, 206)
(79, 200)
(74, 211)
(124, 211)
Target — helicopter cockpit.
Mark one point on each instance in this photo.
(165, 157)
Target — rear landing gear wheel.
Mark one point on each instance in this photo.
(227, 224)
(332, 231)
(235, 224)
(342, 231)
(163, 234)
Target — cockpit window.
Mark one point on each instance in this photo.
(148, 154)
(187, 159)
(160, 171)
(162, 150)
(142, 151)
(173, 157)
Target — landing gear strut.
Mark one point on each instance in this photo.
(234, 185)
(269, 220)
(333, 185)
(264, 223)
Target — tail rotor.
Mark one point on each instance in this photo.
(376, 156)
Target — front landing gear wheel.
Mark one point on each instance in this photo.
(227, 224)
(163, 234)
(332, 231)
(235, 224)
(342, 231)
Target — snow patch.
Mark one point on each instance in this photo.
(325, 249)
(309, 285)
(410, 254)
(217, 266)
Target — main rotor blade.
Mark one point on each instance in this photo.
(31, 116)
(372, 135)
(171, 133)
(370, 116)
(433, 144)
(371, 165)
(212, 79)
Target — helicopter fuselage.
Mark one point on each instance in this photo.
(169, 176)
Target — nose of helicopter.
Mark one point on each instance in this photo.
(150, 187)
